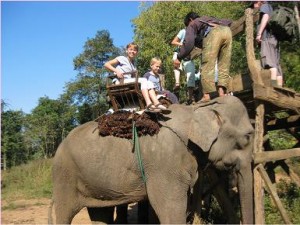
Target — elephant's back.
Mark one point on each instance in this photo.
(85, 142)
(101, 162)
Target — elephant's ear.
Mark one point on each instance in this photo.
(205, 128)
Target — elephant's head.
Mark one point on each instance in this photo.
(222, 128)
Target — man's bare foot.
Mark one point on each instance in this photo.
(205, 98)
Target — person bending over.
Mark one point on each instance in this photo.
(216, 42)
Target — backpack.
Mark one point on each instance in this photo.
(283, 24)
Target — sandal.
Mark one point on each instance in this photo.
(151, 108)
(163, 109)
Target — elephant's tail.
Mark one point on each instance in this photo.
(50, 219)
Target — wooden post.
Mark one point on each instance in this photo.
(258, 147)
(254, 70)
(297, 16)
(259, 119)
(273, 193)
(263, 157)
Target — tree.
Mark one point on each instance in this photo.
(84, 113)
(290, 63)
(47, 126)
(13, 150)
(89, 85)
(158, 24)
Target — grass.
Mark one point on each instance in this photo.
(289, 194)
(29, 181)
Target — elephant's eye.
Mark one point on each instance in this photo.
(243, 141)
(247, 137)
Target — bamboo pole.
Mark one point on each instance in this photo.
(254, 70)
(262, 157)
(297, 17)
(277, 97)
(259, 118)
(273, 193)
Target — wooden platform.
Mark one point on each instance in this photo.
(270, 108)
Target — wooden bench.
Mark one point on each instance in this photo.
(125, 95)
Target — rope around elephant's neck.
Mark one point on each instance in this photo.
(136, 147)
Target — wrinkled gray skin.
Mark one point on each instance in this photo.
(94, 171)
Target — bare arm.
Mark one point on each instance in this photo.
(189, 42)
(110, 65)
(263, 24)
(176, 42)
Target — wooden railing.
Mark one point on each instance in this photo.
(267, 100)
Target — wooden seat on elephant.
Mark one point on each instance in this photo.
(125, 95)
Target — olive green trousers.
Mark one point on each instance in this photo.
(217, 47)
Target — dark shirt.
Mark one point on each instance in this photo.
(195, 33)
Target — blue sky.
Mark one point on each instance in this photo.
(39, 41)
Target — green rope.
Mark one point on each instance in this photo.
(136, 145)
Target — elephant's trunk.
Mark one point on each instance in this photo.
(245, 186)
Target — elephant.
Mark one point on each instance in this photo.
(101, 172)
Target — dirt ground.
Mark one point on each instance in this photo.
(35, 211)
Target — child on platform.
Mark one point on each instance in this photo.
(153, 76)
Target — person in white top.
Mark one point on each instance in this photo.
(124, 67)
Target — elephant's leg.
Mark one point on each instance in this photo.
(122, 212)
(104, 215)
(226, 205)
(152, 217)
(168, 199)
(146, 214)
(143, 212)
(66, 204)
(65, 212)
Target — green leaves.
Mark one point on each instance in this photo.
(47, 126)
(290, 63)
(157, 25)
(13, 149)
(96, 52)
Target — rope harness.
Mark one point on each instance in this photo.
(137, 150)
